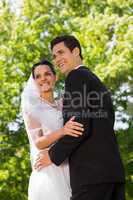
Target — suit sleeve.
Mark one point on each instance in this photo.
(77, 87)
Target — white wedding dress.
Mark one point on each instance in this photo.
(51, 182)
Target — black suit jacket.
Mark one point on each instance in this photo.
(94, 156)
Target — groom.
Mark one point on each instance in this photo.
(96, 171)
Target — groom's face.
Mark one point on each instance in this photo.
(64, 58)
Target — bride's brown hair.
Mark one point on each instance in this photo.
(43, 62)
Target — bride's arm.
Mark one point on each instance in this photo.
(43, 141)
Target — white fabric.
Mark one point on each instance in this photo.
(79, 66)
(52, 182)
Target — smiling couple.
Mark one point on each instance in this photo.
(73, 156)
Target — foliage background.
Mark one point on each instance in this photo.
(104, 28)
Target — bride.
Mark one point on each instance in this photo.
(44, 125)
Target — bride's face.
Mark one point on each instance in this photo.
(44, 78)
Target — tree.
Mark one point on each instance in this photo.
(104, 29)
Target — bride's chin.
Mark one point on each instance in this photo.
(46, 90)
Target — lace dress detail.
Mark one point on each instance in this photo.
(51, 182)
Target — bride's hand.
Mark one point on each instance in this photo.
(72, 128)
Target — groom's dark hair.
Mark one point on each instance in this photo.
(69, 41)
(43, 62)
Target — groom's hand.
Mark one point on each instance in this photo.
(42, 160)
